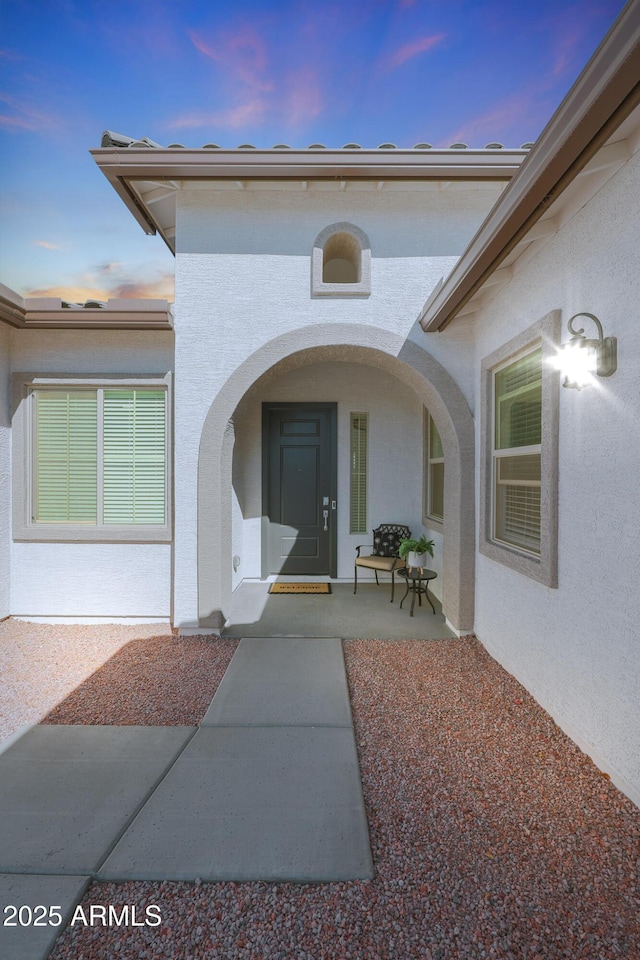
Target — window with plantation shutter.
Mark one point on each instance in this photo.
(66, 457)
(517, 452)
(99, 460)
(358, 464)
(134, 456)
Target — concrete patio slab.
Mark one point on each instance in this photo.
(283, 682)
(68, 792)
(57, 895)
(254, 612)
(253, 803)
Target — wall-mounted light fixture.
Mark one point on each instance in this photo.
(581, 358)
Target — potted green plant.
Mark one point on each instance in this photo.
(414, 552)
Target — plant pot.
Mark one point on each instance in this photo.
(416, 559)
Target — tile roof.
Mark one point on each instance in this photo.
(111, 139)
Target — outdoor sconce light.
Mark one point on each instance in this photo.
(581, 358)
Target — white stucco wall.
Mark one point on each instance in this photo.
(394, 452)
(243, 279)
(5, 473)
(91, 580)
(84, 580)
(576, 647)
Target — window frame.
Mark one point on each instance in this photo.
(25, 528)
(544, 335)
(428, 519)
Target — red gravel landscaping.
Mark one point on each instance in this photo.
(152, 681)
(493, 835)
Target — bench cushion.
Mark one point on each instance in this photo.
(380, 563)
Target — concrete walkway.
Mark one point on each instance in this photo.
(268, 788)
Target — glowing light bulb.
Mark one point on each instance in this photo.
(578, 361)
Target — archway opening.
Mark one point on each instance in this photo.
(411, 377)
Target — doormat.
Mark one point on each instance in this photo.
(300, 588)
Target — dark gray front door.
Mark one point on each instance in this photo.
(299, 498)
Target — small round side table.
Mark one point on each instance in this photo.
(417, 579)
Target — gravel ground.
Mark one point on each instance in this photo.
(493, 836)
(41, 664)
(153, 681)
(60, 674)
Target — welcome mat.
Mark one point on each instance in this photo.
(300, 588)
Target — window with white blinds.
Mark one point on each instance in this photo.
(358, 465)
(517, 438)
(99, 456)
(66, 456)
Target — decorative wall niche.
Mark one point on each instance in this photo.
(341, 262)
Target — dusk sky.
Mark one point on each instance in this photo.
(299, 72)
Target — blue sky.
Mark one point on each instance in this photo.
(299, 72)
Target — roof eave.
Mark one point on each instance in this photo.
(125, 166)
(179, 163)
(97, 320)
(39, 313)
(603, 96)
(12, 308)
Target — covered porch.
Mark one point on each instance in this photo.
(240, 498)
(254, 612)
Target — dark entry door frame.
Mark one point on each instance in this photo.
(274, 417)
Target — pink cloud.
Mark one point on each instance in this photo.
(112, 266)
(112, 279)
(46, 245)
(251, 111)
(15, 122)
(250, 89)
(305, 99)
(493, 124)
(24, 116)
(566, 48)
(78, 292)
(243, 54)
(160, 290)
(410, 50)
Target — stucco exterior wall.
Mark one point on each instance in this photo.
(85, 580)
(394, 451)
(576, 647)
(243, 276)
(5, 473)
(81, 580)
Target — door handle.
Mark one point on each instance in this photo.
(325, 514)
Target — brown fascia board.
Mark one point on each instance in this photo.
(41, 313)
(124, 165)
(12, 310)
(179, 163)
(605, 93)
(101, 319)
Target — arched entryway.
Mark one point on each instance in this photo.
(378, 349)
